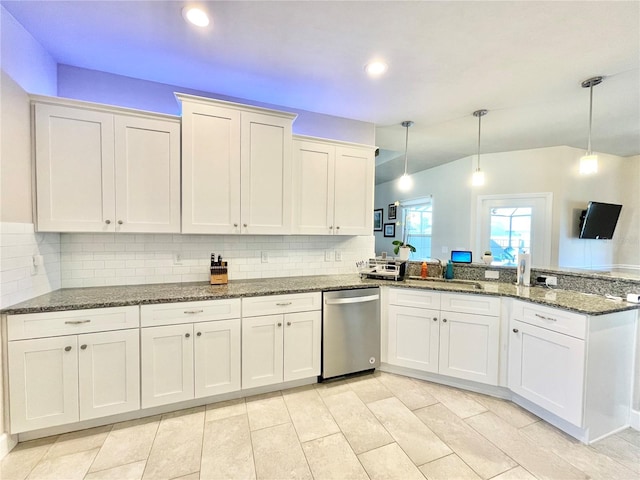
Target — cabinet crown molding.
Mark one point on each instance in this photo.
(328, 141)
(183, 97)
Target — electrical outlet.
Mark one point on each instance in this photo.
(492, 274)
(328, 254)
(36, 262)
(265, 257)
(177, 258)
(551, 281)
(338, 256)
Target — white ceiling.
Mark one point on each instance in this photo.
(523, 61)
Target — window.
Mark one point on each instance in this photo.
(512, 224)
(417, 216)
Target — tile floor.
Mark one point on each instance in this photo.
(379, 426)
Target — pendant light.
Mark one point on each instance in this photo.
(478, 176)
(405, 183)
(589, 162)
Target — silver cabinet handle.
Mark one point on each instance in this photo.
(193, 312)
(76, 322)
(187, 335)
(435, 319)
(279, 324)
(284, 304)
(444, 320)
(199, 334)
(339, 301)
(515, 330)
(67, 349)
(545, 318)
(120, 222)
(108, 222)
(288, 324)
(83, 347)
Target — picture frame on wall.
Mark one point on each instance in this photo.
(377, 219)
(389, 229)
(392, 211)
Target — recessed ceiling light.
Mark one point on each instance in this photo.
(376, 68)
(195, 15)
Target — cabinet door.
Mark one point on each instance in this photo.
(74, 169)
(147, 175)
(413, 338)
(167, 364)
(109, 372)
(217, 357)
(547, 368)
(43, 382)
(354, 191)
(210, 169)
(469, 346)
(262, 345)
(313, 183)
(302, 333)
(266, 174)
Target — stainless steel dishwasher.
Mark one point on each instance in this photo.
(350, 331)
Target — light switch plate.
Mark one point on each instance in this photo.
(328, 256)
(338, 256)
(492, 274)
(265, 257)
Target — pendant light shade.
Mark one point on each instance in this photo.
(589, 162)
(405, 182)
(478, 176)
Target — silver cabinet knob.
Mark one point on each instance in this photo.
(279, 324)
(199, 334)
(120, 222)
(67, 349)
(235, 224)
(245, 225)
(83, 347)
(337, 228)
(187, 335)
(515, 330)
(435, 319)
(444, 320)
(330, 227)
(288, 324)
(108, 222)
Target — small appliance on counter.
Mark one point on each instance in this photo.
(219, 275)
(383, 269)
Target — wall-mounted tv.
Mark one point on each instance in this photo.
(599, 220)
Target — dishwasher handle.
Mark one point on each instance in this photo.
(342, 301)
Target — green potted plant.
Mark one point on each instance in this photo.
(402, 249)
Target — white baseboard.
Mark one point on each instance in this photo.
(6, 444)
(634, 419)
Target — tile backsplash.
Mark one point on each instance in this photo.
(19, 280)
(126, 259)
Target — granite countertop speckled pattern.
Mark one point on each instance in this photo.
(99, 297)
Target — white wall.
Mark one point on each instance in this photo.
(451, 199)
(554, 170)
(101, 87)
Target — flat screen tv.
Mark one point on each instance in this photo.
(599, 220)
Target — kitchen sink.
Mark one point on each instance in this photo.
(441, 282)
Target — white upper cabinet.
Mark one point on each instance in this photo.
(333, 187)
(236, 168)
(105, 169)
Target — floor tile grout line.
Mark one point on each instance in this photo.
(155, 437)
(40, 459)
(115, 466)
(298, 435)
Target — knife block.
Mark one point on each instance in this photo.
(219, 275)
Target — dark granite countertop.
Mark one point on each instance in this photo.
(98, 297)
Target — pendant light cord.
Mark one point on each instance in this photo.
(479, 124)
(590, 117)
(406, 149)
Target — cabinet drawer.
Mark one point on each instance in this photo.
(297, 302)
(53, 324)
(407, 297)
(189, 312)
(478, 304)
(553, 319)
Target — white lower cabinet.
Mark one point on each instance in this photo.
(547, 368)
(189, 359)
(281, 347)
(59, 380)
(456, 342)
